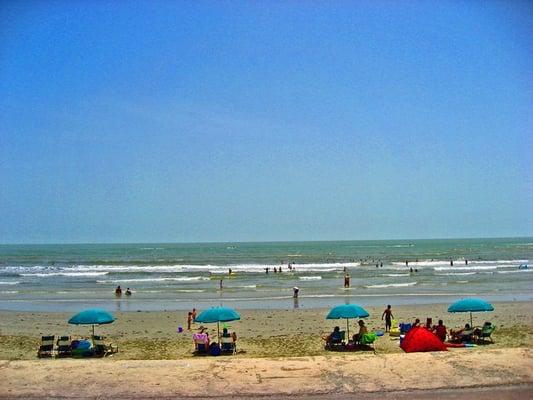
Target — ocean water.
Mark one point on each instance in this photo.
(182, 276)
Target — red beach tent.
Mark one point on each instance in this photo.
(420, 339)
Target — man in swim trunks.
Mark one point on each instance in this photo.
(388, 318)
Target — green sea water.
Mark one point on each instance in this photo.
(180, 276)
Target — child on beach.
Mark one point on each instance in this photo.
(189, 320)
(388, 318)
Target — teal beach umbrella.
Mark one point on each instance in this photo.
(92, 316)
(347, 311)
(470, 305)
(218, 315)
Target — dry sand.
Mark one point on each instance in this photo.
(280, 352)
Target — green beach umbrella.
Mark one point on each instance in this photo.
(347, 311)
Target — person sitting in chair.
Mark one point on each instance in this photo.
(201, 340)
(440, 330)
(462, 335)
(362, 331)
(334, 337)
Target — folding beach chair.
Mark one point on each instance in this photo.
(486, 332)
(102, 349)
(336, 342)
(64, 347)
(46, 349)
(201, 341)
(227, 345)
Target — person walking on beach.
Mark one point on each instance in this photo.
(220, 284)
(346, 280)
(388, 318)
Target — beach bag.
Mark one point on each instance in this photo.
(214, 349)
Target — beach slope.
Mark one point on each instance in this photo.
(206, 377)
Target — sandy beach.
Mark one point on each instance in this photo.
(273, 347)
(261, 333)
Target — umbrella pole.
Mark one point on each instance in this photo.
(93, 329)
(348, 329)
(471, 325)
(218, 330)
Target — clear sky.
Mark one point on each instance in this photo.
(244, 121)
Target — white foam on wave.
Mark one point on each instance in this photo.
(459, 263)
(73, 274)
(216, 269)
(9, 291)
(396, 275)
(387, 285)
(468, 268)
(9, 282)
(457, 273)
(310, 278)
(182, 279)
(515, 271)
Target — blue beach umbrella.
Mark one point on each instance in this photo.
(470, 305)
(92, 316)
(347, 311)
(218, 315)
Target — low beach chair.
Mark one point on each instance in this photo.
(485, 333)
(46, 349)
(64, 347)
(336, 343)
(201, 343)
(102, 349)
(227, 345)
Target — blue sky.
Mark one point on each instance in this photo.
(243, 121)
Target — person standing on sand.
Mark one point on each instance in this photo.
(346, 280)
(189, 320)
(388, 318)
(220, 284)
(193, 315)
(295, 291)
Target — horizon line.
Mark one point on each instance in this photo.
(261, 241)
